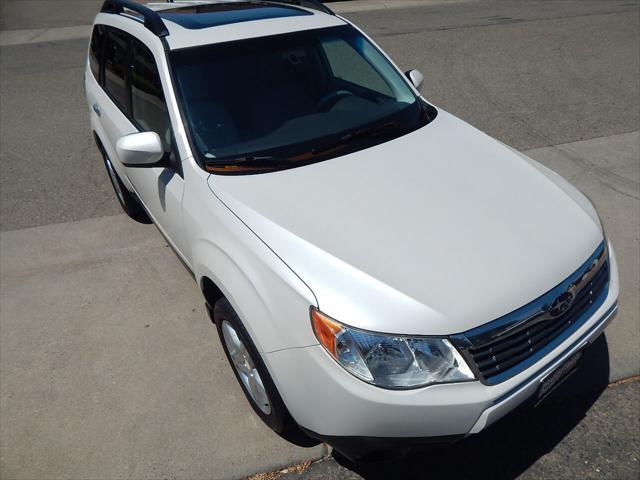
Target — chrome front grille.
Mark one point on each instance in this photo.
(507, 346)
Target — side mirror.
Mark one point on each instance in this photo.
(140, 149)
(416, 78)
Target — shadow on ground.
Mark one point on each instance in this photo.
(512, 445)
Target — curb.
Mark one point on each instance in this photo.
(21, 37)
(355, 6)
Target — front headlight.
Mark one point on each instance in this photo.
(390, 361)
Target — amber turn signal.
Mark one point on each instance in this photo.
(326, 329)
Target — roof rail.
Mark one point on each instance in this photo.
(312, 4)
(152, 20)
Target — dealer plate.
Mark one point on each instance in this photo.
(556, 377)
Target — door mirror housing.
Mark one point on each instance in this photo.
(416, 78)
(140, 150)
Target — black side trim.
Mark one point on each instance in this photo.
(377, 448)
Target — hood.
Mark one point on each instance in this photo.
(433, 233)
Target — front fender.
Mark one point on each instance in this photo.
(271, 301)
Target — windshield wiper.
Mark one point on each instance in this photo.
(389, 128)
(266, 162)
(248, 162)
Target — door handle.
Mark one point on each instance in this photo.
(96, 108)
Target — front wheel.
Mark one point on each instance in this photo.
(252, 373)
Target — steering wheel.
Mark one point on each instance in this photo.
(330, 99)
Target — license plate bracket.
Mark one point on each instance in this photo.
(563, 371)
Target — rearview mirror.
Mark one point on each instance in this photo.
(416, 78)
(140, 149)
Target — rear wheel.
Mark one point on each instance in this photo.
(127, 201)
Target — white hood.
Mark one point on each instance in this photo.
(433, 233)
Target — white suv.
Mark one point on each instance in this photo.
(380, 273)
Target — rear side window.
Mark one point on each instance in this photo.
(148, 106)
(95, 52)
(115, 67)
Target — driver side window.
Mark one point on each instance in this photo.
(148, 105)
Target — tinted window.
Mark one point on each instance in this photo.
(95, 53)
(115, 67)
(280, 101)
(205, 16)
(348, 64)
(149, 109)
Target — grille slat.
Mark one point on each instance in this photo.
(497, 356)
(531, 343)
(495, 348)
(513, 345)
(542, 339)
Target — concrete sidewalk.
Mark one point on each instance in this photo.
(110, 368)
(608, 171)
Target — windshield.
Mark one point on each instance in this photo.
(278, 102)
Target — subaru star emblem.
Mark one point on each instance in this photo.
(561, 304)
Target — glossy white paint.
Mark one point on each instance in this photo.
(434, 233)
(140, 149)
(180, 37)
(343, 405)
(426, 233)
(417, 79)
(269, 297)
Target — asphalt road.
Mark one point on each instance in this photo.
(87, 388)
(529, 73)
(26, 14)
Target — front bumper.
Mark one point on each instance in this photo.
(326, 400)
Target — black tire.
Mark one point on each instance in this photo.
(127, 201)
(278, 419)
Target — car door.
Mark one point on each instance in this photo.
(160, 188)
(110, 100)
(131, 101)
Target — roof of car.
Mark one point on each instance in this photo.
(200, 22)
(215, 14)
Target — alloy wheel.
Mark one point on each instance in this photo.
(245, 367)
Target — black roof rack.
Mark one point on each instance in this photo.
(154, 23)
(152, 20)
